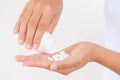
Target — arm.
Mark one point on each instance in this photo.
(108, 58)
(79, 55)
(82, 53)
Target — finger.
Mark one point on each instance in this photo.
(17, 26)
(35, 64)
(32, 25)
(24, 23)
(21, 58)
(23, 27)
(38, 60)
(43, 24)
(53, 24)
(30, 64)
(28, 60)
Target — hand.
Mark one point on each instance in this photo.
(37, 17)
(79, 55)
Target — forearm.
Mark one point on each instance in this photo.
(108, 58)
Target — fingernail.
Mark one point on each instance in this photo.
(20, 41)
(53, 67)
(28, 46)
(35, 46)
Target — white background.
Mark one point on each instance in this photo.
(82, 20)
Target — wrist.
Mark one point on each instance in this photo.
(91, 49)
(96, 52)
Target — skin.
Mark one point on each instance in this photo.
(37, 17)
(79, 55)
